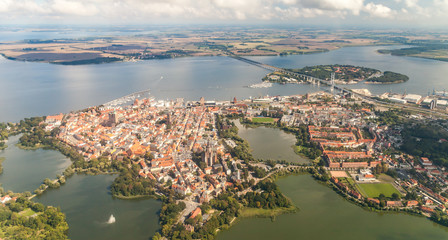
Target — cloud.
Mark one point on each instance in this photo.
(353, 6)
(379, 10)
(10, 6)
(144, 11)
(68, 7)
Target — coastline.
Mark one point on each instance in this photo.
(114, 59)
(384, 83)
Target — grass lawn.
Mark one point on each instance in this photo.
(386, 178)
(260, 212)
(27, 212)
(373, 190)
(263, 120)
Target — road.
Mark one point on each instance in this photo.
(190, 206)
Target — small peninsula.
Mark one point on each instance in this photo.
(344, 74)
(388, 77)
(435, 50)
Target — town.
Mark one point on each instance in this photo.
(358, 152)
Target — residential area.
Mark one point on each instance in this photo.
(176, 143)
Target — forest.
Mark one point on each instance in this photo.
(426, 140)
(269, 196)
(129, 183)
(389, 77)
(24, 219)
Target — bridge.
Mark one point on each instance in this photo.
(306, 78)
(333, 87)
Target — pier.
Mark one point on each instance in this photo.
(128, 98)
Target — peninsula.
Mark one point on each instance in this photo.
(188, 154)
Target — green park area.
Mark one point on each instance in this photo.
(262, 120)
(373, 190)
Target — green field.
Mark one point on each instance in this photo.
(373, 190)
(263, 120)
(27, 213)
(260, 212)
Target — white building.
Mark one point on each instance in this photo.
(412, 98)
(397, 100)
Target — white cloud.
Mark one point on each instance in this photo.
(5, 5)
(411, 3)
(379, 10)
(143, 11)
(353, 6)
(69, 7)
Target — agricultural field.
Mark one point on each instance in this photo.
(174, 42)
(373, 190)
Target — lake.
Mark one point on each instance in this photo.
(88, 205)
(25, 170)
(324, 214)
(270, 143)
(86, 200)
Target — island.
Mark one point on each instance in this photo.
(343, 74)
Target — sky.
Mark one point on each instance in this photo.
(352, 12)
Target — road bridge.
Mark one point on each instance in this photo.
(314, 80)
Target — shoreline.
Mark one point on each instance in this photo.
(77, 62)
(384, 83)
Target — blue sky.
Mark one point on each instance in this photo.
(412, 13)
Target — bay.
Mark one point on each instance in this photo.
(36, 89)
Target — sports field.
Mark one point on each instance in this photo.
(373, 190)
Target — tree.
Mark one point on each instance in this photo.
(395, 196)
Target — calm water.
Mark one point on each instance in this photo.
(88, 205)
(270, 143)
(25, 170)
(35, 89)
(325, 215)
(424, 74)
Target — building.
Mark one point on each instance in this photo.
(196, 212)
(209, 156)
(394, 204)
(202, 101)
(397, 100)
(412, 203)
(412, 98)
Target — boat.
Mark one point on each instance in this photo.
(111, 219)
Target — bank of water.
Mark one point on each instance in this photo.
(36, 89)
(270, 143)
(424, 74)
(326, 215)
(88, 205)
(25, 170)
